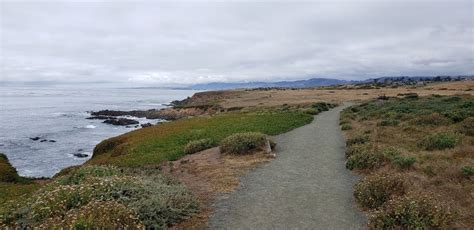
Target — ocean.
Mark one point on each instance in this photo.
(58, 115)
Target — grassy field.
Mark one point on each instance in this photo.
(417, 154)
(167, 141)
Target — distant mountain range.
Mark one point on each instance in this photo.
(316, 82)
(313, 82)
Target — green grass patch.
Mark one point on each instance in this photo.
(168, 140)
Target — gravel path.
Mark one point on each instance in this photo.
(305, 187)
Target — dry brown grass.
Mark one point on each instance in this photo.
(209, 174)
(243, 98)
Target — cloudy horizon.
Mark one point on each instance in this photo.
(166, 43)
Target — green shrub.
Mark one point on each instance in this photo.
(439, 141)
(467, 126)
(364, 160)
(7, 172)
(434, 119)
(97, 215)
(411, 96)
(198, 145)
(344, 121)
(467, 170)
(389, 122)
(322, 106)
(411, 212)
(391, 152)
(158, 205)
(243, 143)
(374, 190)
(361, 139)
(404, 162)
(346, 127)
(456, 116)
(357, 148)
(155, 199)
(311, 111)
(78, 175)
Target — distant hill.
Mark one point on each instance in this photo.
(313, 82)
(316, 82)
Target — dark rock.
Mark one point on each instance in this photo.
(35, 138)
(146, 125)
(100, 117)
(52, 141)
(80, 155)
(121, 121)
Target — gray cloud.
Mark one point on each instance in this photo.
(191, 42)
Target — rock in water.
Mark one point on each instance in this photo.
(35, 138)
(80, 155)
(146, 125)
(121, 121)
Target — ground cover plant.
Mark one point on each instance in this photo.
(107, 197)
(418, 170)
(167, 141)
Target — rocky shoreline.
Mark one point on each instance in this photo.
(178, 110)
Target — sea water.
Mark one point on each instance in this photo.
(58, 113)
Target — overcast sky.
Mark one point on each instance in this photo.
(195, 42)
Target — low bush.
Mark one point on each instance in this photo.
(198, 145)
(346, 126)
(374, 190)
(78, 175)
(457, 115)
(361, 139)
(97, 215)
(434, 119)
(404, 162)
(467, 170)
(389, 122)
(411, 211)
(467, 126)
(411, 95)
(364, 160)
(357, 148)
(391, 152)
(155, 199)
(7, 172)
(311, 111)
(323, 106)
(243, 143)
(440, 141)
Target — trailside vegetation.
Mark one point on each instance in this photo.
(417, 155)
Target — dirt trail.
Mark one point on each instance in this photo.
(305, 187)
